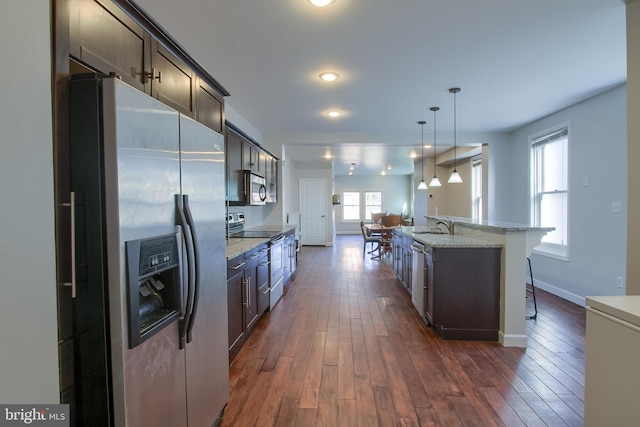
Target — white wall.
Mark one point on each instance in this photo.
(396, 194)
(501, 164)
(633, 146)
(28, 322)
(451, 199)
(597, 237)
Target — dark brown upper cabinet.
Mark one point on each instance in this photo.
(209, 107)
(234, 172)
(106, 39)
(172, 81)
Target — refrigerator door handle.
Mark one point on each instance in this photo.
(190, 268)
(196, 266)
(72, 206)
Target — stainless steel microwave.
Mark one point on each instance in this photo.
(255, 189)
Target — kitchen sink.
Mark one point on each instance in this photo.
(438, 231)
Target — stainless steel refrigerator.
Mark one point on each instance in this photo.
(150, 315)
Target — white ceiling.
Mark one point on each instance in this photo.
(515, 60)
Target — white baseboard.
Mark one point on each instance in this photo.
(559, 292)
(512, 340)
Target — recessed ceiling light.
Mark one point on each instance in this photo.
(329, 76)
(413, 155)
(334, 113)
(321, 3)
(383, 173)
(328, 156)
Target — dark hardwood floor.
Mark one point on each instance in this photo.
(344, 347)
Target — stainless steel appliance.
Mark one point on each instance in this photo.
(255, 189)
(418, 279)
(150, 311)
(235, 222)
(276, 270)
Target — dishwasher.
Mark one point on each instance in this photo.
(417, 278)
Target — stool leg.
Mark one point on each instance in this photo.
(533, 291)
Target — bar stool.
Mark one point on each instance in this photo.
(533, 291)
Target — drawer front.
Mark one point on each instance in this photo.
(235, 265)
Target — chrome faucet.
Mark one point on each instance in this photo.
(447, 224)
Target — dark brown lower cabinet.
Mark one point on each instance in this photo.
(462, 298)
(247, 293)
(235, 307)
(262, 278)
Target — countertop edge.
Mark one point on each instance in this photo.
(625, 307)
(445, 240)
(238, 245)
(502, 226)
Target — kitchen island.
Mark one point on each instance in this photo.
(454, 281)
(517, 240)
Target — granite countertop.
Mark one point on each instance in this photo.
(489, 224)
(445, 240)
(239, 245)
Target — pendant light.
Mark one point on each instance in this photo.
(455, 176)
(435, 182)
(422, 185)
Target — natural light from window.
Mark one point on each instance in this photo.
(373, 203)
(351, 206)
(550, 190)
(476, 189)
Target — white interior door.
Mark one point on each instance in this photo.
(313, 211)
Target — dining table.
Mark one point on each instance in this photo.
(385, 231)
(376, 228)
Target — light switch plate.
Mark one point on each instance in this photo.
(616, 207)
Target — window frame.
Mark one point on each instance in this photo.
(476, 201)
(344, 205)
(362, 211)
(364, 205)
(537, 140)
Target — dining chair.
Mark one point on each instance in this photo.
(368, 238)
(376, 217)
(391, 220)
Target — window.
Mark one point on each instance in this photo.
(372, 203)
(476, 189)
(351, 206)
(550, 190)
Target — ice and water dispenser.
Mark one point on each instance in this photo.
(153, 281)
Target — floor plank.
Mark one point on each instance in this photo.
(344, 346)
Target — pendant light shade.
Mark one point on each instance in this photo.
(422, 185)
(455, 176)
(435, 182)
